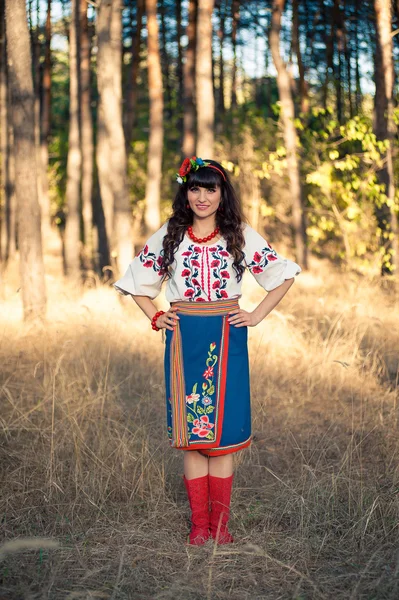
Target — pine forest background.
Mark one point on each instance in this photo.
(100, 100)
(297, 100)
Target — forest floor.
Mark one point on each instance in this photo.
(85, 461)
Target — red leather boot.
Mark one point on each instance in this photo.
(198, 497)
(220, 495)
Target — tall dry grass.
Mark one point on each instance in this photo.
(86, 465)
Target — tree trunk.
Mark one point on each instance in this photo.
(3, 137)
(303, 87)
(384, 129)
(204, 87)
(290, 135)
(86, 136)
(327, 18)
(49, 234)
(179, 67)
(152, 216)
(221, 35)
(165, 61)
(338, 28)
(131, 93)
(42, 185)
(8, 215)
(29, 223)
(189, 81)
(111, 151)
(358, 95)
(234, 27)
(74, 160)
(347, 53)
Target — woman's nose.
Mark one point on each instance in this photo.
(203, 194)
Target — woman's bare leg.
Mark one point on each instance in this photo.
(221, 466)
(195, 464)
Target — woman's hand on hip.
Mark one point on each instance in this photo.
(168, 320)
(242, 318)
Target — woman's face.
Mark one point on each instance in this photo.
(204, 202)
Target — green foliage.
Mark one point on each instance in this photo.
(340, 165)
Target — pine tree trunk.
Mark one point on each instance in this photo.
(204, 87)
(303, 87)
(221, 35)
(327, 18)
(290, 135)
(42, 184)
(86, 136)
(179, 68)
(152, 216)
(8, 216)
(3, 135)
(234, 27)
(189, 81)
(357, 68)
(51, 238)
(131, 93)
(347, 54)
(339, 34)
(384, 129)
(29, 222)
(74, 160)
(165, 61)
(111, 151)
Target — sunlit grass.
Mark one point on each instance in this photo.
(86, 463)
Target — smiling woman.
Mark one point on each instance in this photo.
(202, 253)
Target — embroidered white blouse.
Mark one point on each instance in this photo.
(203, 273)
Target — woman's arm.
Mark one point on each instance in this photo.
(242, 318)
(165, 321)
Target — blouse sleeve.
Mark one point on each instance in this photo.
(144, 275)
(266, 265)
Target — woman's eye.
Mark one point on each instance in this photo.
(212, 190)
(194, 189)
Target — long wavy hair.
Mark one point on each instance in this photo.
(229, 218)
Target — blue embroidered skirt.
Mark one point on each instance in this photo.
(207, 380)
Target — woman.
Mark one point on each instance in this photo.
(202, 252)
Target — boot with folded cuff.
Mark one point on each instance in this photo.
(220, 496)
(198, 497)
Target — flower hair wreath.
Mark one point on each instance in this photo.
(193, 164)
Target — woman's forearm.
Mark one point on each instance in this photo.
(146, 305)
(272, 299)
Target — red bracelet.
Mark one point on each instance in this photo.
(155, 318)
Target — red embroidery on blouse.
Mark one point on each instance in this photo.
(261, 259)
(219, 267)
(150, 260)
(209, 274)
(190, 273)
(202, 271)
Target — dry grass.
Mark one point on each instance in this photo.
(85, 462)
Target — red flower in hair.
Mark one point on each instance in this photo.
(185, 167)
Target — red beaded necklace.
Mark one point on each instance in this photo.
(202, 240)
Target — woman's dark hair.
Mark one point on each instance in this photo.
(229, 219)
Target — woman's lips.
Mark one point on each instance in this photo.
(201, 206)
